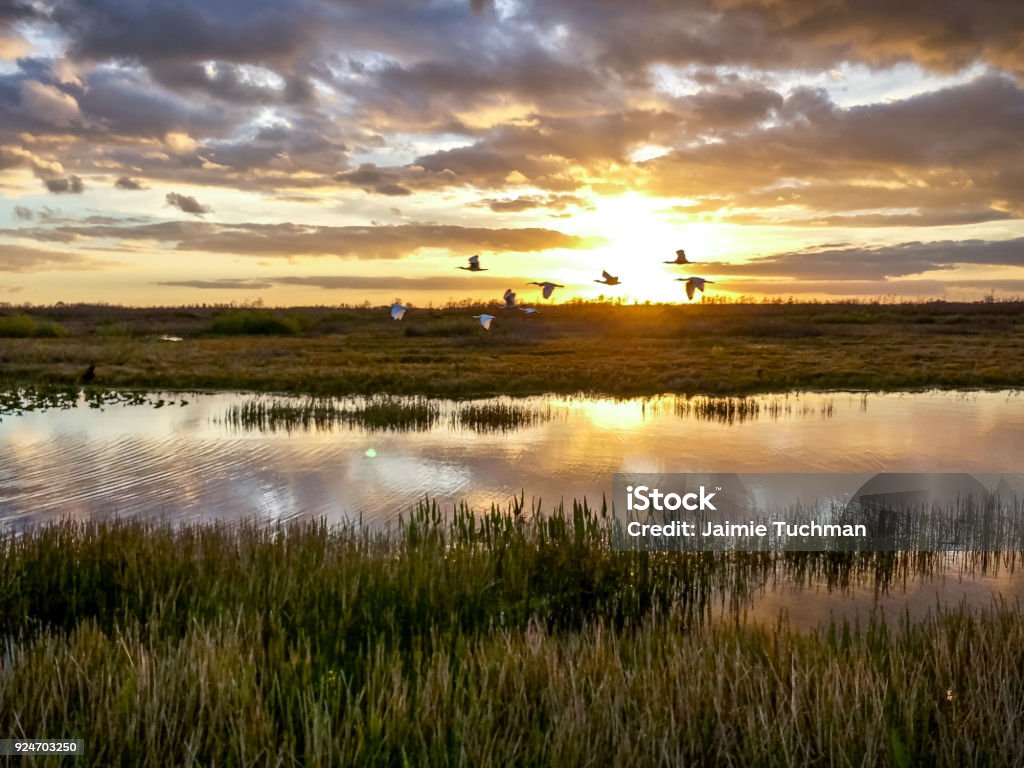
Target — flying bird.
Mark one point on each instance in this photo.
(680, 258)
(547, 288)
(485, 321)
(693, 284)
(608, 279)
(398, 311)
(529, 310)
(510, 299)
(474, 265)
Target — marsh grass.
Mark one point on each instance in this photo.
(381, 413)
(500, 416)
(732, 410)
(714, 349)
(508, 637)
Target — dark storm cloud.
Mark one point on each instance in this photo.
(187, 204)
(857, 264)
(72, 185)
(126, 182)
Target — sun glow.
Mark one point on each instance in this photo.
(639, 237)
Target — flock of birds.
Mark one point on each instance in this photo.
(693, 284)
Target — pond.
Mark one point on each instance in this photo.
(227, 456)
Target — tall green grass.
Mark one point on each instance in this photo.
(510, 637)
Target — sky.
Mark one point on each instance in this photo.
(159, 152)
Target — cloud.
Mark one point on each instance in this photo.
(72, 185)
(288, 240)
(371, 179)
(187, 204)
(341, 282)
(525, 108)
(24, 214)
(940, 218)
(126, 182)
(933, 152)
(533, 202)
(853, 263)
(17, 258)
(227, 283)
(48, 104)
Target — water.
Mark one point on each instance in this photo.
(192, 462)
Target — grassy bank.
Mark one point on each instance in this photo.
(505, 638)
(615, 350)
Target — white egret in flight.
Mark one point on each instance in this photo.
(547, 288)
(474, 265)
(529, 310)
(398, 311)
(680, 258)
(510, 298)
(485, 321)
(693, 284)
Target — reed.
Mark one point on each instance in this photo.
(507, 637)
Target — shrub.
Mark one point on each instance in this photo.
(23, 326)
(250, 323)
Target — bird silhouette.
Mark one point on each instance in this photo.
(398, 311)
(474, 265)
(89, 375)
(693, 284)
(485, 321)
(547, 288)
(510, 299)
(608, 279)
(680, 258)
(529, 310)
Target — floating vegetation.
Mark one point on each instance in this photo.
(381, 413)
(17, 401)
(14, 402)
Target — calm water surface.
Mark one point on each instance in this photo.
(192, 462)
